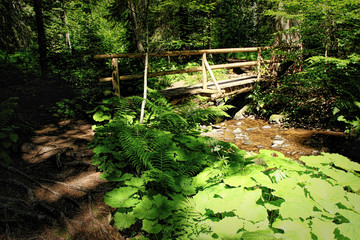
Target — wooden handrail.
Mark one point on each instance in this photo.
(186, 70)
(179, 53)
(205, 66)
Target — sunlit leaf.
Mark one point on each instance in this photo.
(146, 209)
(151, 226)
(228, 226)
(323, 230)
(121, 197)
(294, 230)
(350, 230)
(261, 234)
(342, 162)
(124, 220)
(297, 208)
(315, 161)
(325, 194)
(343, 178)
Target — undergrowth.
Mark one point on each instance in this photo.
(174, 184)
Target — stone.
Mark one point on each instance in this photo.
(237, 131)
(277, 118)
(278, 137)
(252, 129)
(278, 142)
(241, 113)
(259, 146)
(248, 142)
(238, 123)
(315, 152)
(217, 126)
(266, 127)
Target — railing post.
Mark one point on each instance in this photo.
(258, 63)
(204, 78)
(115, 76)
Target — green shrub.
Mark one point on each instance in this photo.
(309, 97)
(9, 137)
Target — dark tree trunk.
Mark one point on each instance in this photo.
(41, 38)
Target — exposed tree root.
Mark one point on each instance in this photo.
(74, 187)
(12, 169)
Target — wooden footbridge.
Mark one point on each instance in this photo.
(215, 88)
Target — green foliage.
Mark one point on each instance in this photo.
(353, 126)
(310, 97)
(9, 137)
(176, 184)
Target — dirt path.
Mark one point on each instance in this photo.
(53, 191)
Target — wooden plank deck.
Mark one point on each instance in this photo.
(228, 87)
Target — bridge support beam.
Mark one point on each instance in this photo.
(115, 76)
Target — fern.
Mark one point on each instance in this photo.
(8, 112)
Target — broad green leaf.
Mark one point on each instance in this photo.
(136, 182)
(252, 212)
(228, 200)
(124, 220)
(350, 230)
(354, 201)
(343, 178)
(342, 162)
(323, 230)
(146, 209)
(315, 161)
(293, 230)
(100, 116)
(259, 235)
(151, 226)
(121, 197)
(201, 180)
(325, 194)
(163, 206)
(244, 177)
(297, 208)
(14, 137)
(228, 226)
(352, 216)
(101, 149)
(288, 189)
(239, 180)
(258, 226)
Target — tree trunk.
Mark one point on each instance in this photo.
(67, 34)
(41, 38)
(137, 29)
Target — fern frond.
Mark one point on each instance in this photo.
(7, 112)
(162, 155)
(134, 146)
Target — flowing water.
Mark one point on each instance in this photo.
(252, 134)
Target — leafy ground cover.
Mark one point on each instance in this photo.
(173, 183)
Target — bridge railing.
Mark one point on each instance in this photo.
(116, 77)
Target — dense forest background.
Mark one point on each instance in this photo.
(57, 39)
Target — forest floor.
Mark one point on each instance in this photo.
(52, 191)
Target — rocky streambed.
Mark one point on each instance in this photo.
(253, 134)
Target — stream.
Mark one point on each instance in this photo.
(253, 134)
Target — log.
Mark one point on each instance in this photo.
(204, 77)
(207, 65)
(178, 53)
